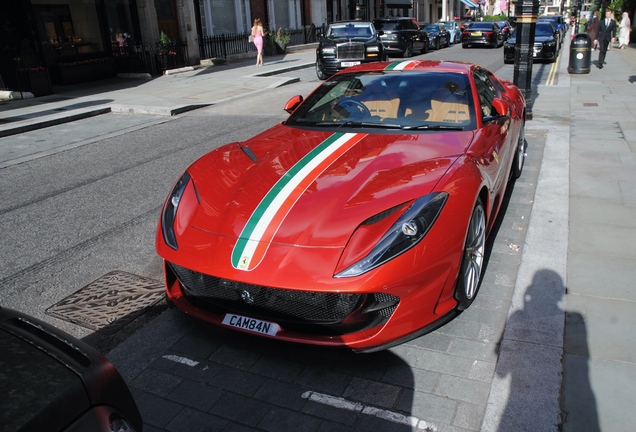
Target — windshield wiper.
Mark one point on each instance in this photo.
(350, 123)
(434, 127)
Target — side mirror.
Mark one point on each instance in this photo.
(293, 103)
(500, 106)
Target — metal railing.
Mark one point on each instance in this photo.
(153, 58)
(237, 43)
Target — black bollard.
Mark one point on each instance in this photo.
(527, 12)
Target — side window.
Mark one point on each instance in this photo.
(485, 90)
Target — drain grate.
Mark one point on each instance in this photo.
(110, 302)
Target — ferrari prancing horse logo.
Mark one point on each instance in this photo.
(496, 157)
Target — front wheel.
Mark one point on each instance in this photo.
(472, 259)
(319, 72)
(408, 51)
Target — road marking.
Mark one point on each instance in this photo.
(391, 416)
(553, 70)
(182, 360)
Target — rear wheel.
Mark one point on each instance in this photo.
(472, 259)
(464, 45)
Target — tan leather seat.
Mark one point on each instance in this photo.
(384, 108)
(452, 109)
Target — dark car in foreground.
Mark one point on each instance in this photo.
(361, 220)
(52, 382)
(347, 44)
(485, 33)
(438, 36)
(546, 44)
(401, 36)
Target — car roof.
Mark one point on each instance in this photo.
(350, 22)
(394, 19)
(416, 65)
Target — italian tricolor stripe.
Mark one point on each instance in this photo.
(402, 65)
(262, 225)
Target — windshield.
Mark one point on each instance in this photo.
(416, 100)
(386, 25)
(481, 26)
(542, 29)
(350, 30)
(432, 28)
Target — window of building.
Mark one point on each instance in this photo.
(224, 17)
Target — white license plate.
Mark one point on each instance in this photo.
(349, 64)
(251, 324)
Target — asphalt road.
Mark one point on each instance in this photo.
(91, 204)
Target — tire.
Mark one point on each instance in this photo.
(464, 45)
(471, 266)
(508, 61)
(319, 72)
(437, 45)
(408, 51)
(520, 154)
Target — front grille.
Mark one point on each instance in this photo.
(269, 303)
(351, 51)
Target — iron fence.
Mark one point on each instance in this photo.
(153, 58)
(221, 46)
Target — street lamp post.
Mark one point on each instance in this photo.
(526, 12)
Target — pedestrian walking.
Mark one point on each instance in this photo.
(592, 29)
(623, 31)
(605, 36)
(257, 35)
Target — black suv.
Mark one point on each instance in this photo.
(347, 44)
(402, 36)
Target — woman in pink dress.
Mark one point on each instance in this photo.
(257, 32)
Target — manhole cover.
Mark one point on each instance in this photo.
(110, 302)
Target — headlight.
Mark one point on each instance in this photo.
(373, 49)
(550, 44)
(405, 233)
(329, 50)
(169, 213)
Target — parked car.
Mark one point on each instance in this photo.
(558, 23)
(438, 36)
(347, 44)
(546, 44)
(53, 382)
(361, 220)
(402, 36)
(483, 33)
(453, 30)
(506, 28)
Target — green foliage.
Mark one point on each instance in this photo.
(281, 37)
(164, 38)
(501, 17)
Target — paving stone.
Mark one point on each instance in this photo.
(284, 420)
(497, 304)
(469, 415)
(338, 415)
(281, 393)
(463, 388)
(444, 363)
(315, 355)
(154, 410)
(197, 346)
(482, 371)
(427, 406)
(483, 316)
(495, 291)
(323, 380)
(433, 341)
(405, 354)
(490, 334)
(195, 394)
(475, 349)
(241, 409)
(156, 382)
(458, 327)
(373, 393)
(369, 366)
(189, 420)
(375, 424)
(411, 378)
(203, 372)
(327, 426)
(276, 368)
(235, 357)
(235, 427)
(238, 381)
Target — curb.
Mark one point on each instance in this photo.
(41, 124)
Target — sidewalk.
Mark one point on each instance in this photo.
(166, 95)
(568, 341)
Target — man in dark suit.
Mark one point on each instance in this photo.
(605, 36)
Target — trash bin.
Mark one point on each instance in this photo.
(580, 54)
